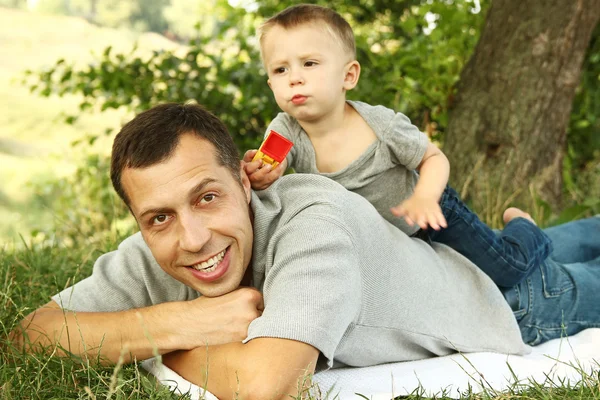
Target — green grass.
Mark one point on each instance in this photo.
(29, 275)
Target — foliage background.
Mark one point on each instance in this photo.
(411, 52)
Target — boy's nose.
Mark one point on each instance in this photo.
(296, 79)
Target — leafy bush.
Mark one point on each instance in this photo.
(85, 207)
(411, 53)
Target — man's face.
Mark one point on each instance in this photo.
(194, 215)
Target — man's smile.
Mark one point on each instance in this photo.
(210, 264)
(213, 268)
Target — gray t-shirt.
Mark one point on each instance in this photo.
(335, 275)
(384, 174)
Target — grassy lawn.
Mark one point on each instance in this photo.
(31, 275)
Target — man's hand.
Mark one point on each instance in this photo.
(220, 320)
(421, 210)
(262, 174)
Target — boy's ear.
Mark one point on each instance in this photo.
(351, 74)
(269, 83)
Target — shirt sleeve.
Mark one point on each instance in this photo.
(284, 125)
(312, 284)
(126, 278)
(407, 144)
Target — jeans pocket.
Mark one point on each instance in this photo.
(517, 300)
(555, 279)
(519, 314)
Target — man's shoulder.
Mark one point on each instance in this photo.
(134, 242)
(295, 193)
(135, 250)
(309, 188)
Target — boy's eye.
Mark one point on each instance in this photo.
(279, 70)
(159, 219)
(310, 63)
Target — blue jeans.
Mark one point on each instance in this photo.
(507, 257)
(562, 295)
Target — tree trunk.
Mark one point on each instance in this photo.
(508, 120)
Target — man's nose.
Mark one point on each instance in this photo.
(194, 232)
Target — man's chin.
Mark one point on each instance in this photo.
(214, 292)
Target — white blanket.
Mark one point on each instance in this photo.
(560, 360)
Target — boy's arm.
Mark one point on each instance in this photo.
(139, 333)
(264, 368)
(434, 171)
(422, 207)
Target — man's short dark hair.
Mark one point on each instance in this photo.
(152, 136)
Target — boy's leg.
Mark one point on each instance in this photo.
(575, 241)
(507, 257)
(557, 300)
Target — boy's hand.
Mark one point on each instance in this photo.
(424, 211)
(261, 174)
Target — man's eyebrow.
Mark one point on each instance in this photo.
(200, 187)
(196, 189)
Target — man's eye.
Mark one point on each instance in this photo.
(207, 198)
(159, 219)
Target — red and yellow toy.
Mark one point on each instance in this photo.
(273, 149)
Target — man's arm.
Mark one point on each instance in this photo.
(140, 333)
(264, 368)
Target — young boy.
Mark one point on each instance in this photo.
(310, 57)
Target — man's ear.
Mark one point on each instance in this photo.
(351, 74)
(245, 182)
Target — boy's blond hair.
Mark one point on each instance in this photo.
(301, 14)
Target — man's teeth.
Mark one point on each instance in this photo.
(211, 264)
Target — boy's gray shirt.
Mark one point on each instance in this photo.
(335, 275)
(384, 174)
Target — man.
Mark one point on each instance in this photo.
(341, 286)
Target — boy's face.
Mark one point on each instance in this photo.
(308, 70)
(194, 216)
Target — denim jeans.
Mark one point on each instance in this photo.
(507, 257)
(562, 295)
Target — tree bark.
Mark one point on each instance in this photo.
(507, 122)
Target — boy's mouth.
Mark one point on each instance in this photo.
(298, 99)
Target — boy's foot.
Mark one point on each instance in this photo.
(513, 212)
